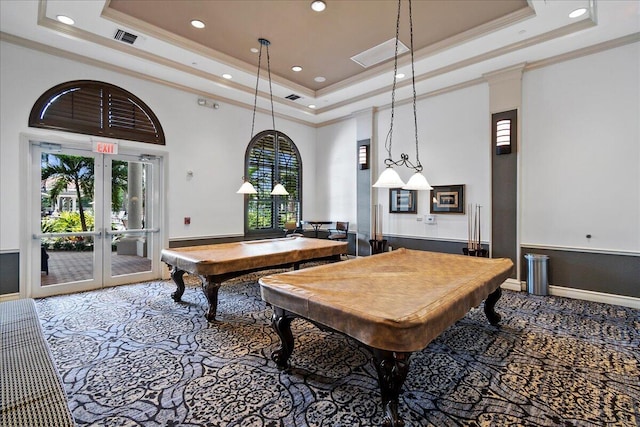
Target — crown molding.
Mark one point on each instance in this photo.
(585, 51)
(60, 53)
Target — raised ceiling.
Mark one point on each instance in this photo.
(457, 43)
(322, 43)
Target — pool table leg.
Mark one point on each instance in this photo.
(392, 368)
(490, 305)
(210, 288)
(176, 275)
(281, 322)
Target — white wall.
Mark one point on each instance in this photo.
(337, 165)
(580, 152)
(211, 143)
(453, 134)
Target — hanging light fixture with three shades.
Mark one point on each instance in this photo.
(389, 178)
(247, 187)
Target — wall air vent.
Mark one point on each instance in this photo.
(380, 53)
(292, 97)
(124, 36)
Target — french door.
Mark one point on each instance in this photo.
(95, 219)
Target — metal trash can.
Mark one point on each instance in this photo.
(537, 274)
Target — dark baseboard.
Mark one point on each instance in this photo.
(322, 234)
(616, 274)
(9, 273)
(443, 246)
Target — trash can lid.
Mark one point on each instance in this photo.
(536, 256)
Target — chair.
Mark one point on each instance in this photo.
(291, 228)
(340, 232)
(44, 260)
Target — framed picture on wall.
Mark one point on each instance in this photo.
(403, 201)
(447, 199)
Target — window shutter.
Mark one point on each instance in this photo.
(268, 162)
(75, 107)
(96, 108)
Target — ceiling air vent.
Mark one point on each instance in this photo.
(292, 97)
(123, 36)
(380, 53)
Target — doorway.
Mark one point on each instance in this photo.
(95, 219)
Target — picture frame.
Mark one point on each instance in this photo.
(447, 199)
(403, 201)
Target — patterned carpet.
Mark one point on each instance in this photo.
(131, 356)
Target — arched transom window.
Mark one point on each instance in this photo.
(96, 108)
(269, 161)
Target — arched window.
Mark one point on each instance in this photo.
(96, 108)
(267, 162)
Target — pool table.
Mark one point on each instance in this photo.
(220, 262)
(394, 303)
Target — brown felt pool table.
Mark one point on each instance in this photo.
(217, 263)
(395, 303)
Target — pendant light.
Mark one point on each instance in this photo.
(389, 178)
(247, 187)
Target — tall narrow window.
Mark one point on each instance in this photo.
(269, 161)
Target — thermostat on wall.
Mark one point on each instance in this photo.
(430, 219)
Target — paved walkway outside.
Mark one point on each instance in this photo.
(71, 266)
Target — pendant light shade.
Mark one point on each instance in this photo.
(279, 190)
(389, 178)
(417, 182)
(247, 188)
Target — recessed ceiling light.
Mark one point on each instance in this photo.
(296, 68)
(227, 76)
(254, 50)
(320, 79)
(318, 5)
(312, 106)
(65, 19)
(400, 76)
(578, 13)
(197, 23)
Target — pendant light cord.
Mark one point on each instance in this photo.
(255, 95)
(389, 141)
(263, 42)
(404, 158)
(273, 118)
(389, 178)
(418, 166)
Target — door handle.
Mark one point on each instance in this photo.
(37, 236)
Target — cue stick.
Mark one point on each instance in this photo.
(469, 212)
(475, 229)
(479, 241)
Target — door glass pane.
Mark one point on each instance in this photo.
(66, 259)
(67, 207)
(130, 210)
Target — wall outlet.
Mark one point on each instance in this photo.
(187, 220)
(419, 219)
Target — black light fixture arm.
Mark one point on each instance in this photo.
(404, 161)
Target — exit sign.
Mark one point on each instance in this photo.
(105, 147)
